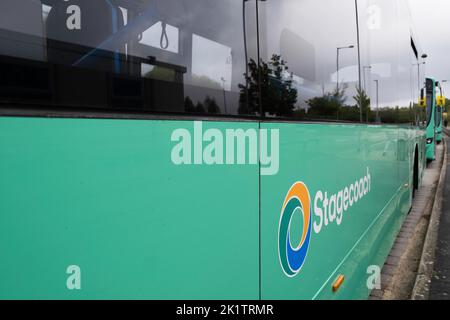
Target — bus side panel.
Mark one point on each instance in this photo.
(421, 139)
(329, 158)
(405, 157)
(104, 195)
(431, 114)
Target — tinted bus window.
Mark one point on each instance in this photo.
(309, 59)
(438, 114)
(385, 58)
(430, 97)
(310, 66)
(21, 37)
(183, 56)
(417, 87)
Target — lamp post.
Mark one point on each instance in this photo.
(365, 89)
(224, 95)
(378, 110)
(423, 56)
(359, 56)
(364, 74)
(418, 73)
(337, 65)
(443, 81)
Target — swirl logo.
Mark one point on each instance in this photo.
(297, 200)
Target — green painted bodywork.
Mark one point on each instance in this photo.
(328, 158)
(439, 126)
(431, 127)
(105, 195)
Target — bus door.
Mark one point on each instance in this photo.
(431, 118)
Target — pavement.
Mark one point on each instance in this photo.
(405, 261)
(440, 280)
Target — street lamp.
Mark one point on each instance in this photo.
(359, 56)
(365, 88)
(423, 56)
(224, 95)
(418, 72)
(378, 110)
(443, 81)
(364, 74)
(337, 65)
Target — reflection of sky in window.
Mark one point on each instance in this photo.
(382, 70)
(346, 74)
(124, 15)
(307, 42)
(45, 11)
(212, 60)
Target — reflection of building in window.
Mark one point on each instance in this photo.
(211, 64)
(164, 87)
(161, 36)
(300, 54)
(132, 55)
(157, 70)
(21, 29)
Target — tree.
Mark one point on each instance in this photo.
(339, 94)
(200, 108)
(278, 96)
(363, 102)
(211, 105)
(284, 96)
(328, 105)
(189, 105)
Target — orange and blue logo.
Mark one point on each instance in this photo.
(292, 258)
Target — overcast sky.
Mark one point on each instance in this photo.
(432, 24)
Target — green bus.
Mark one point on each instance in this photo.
(432, 118)
(197, 149)
(440, 104)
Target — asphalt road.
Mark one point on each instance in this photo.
(440, 282)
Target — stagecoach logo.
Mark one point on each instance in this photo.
(297, 201)
(328, 208)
